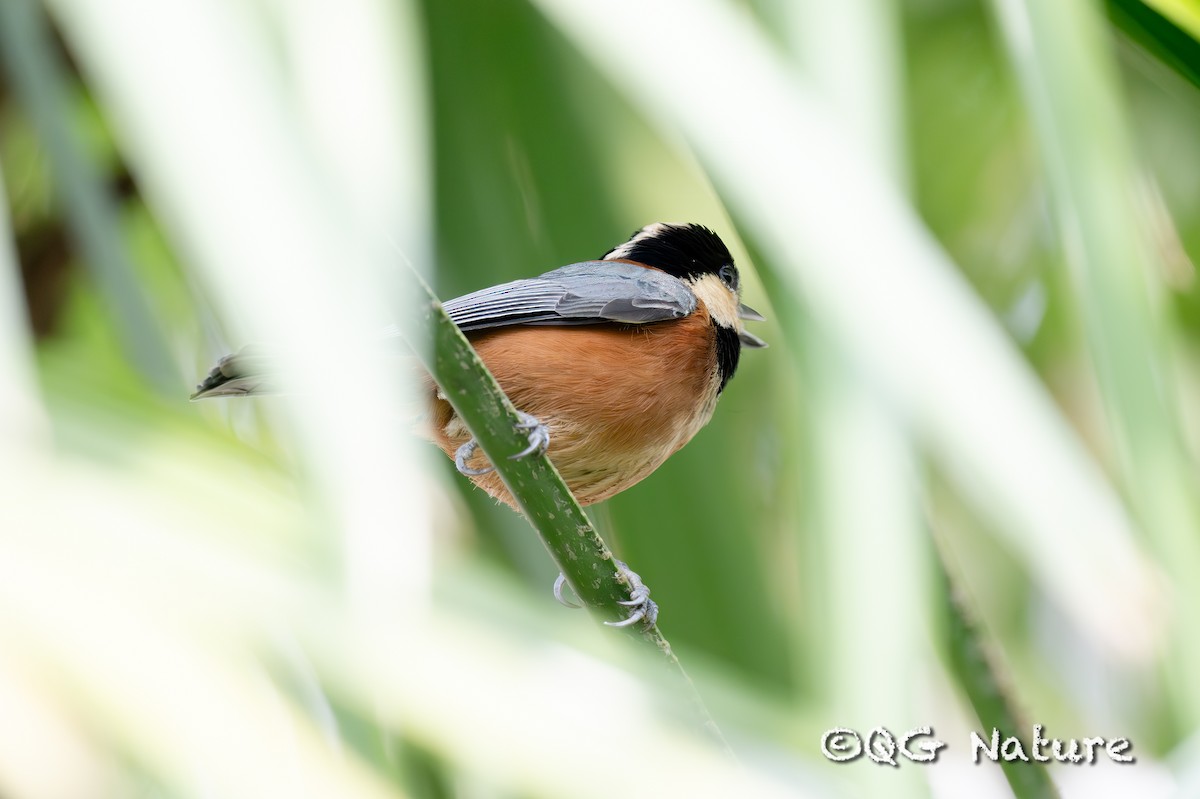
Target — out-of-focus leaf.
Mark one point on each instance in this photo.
(1171, 33)
(36, 70)
(930, 344)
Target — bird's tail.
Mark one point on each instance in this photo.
(254, 370)
(249, 371)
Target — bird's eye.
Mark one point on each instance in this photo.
(729, 275)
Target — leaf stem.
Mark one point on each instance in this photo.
(544, 499)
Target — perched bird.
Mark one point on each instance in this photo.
(621, 359)
(615, 364)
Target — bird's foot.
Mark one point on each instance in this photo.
(641, 607)
(463, 454)
(536, 433)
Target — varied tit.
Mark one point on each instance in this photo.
(620, 360)
(615, 364)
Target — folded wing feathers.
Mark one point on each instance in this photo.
(583, 293)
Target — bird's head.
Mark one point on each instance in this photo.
(699, 258)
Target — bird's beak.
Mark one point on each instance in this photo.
(752, 341)
(749, 314)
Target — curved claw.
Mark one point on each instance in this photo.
(632, 620)
(539, 436)
(645, 608)
(463, 454)
(558, 592)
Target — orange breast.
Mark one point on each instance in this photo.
(618, 400)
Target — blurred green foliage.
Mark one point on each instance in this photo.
(539, 162)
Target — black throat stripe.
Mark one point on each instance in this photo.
(729, 349)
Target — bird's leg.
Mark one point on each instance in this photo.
(536, 433)
(642, 607)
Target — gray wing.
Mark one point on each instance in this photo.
(586, 293)
(578, 294)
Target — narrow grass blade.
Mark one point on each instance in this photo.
(979, 676)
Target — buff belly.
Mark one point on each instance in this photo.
(618, 401)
